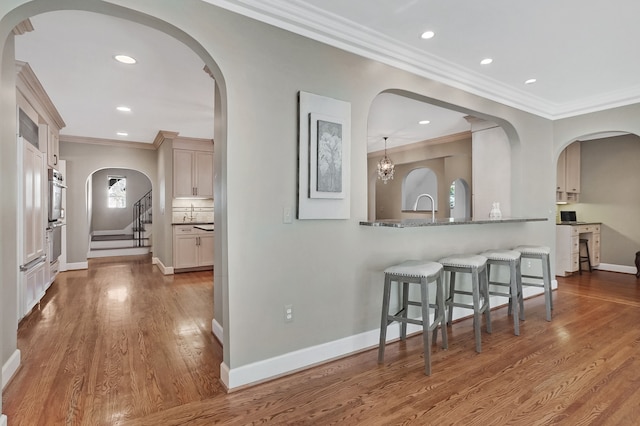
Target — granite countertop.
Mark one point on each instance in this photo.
(414, 223)
(578, 223)
(205, 227)
(192, 223)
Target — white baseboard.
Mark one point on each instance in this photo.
(166, 270)
(616, 268)
(3, 420)
(10, 367)
(77, 265)
(217, 330)
(304, 358)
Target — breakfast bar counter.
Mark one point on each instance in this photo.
(414, 223)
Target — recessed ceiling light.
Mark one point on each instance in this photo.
(424, 122)
(123, 108)
(125, 59)
(486, 61)
(427, 35)
(122, 134)
(530, 81)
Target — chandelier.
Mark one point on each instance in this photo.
(385, 166)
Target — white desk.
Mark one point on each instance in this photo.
(568, 246)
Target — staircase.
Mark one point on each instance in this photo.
(133, 240)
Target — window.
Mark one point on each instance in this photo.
(117, 192)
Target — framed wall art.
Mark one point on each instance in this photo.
(324, 149)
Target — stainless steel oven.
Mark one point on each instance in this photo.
(55, 195)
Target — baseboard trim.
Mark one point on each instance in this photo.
(616, 268)
(285, 364)
(3, 420)
(77, 265)
(217, 330)
(10, 367)
(166, 270)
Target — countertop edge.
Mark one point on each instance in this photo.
(416, 223)
(191, 223)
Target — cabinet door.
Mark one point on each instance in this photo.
(185, 251)
(53, 148)
(561, 176)
(573, 168)
(34, 210)
(183, 182)
(205, 249)
(204, 174)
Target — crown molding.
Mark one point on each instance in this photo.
(31, 88)
(300, 18)
(162, 136)
(108, 142)
(417, 145)
(23, 27)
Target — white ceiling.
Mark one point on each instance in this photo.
(583, 54)
(71, 53)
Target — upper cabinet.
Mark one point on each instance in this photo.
(33, 99)
(568, 179)
(192, 170)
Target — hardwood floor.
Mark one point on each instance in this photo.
(122, 344)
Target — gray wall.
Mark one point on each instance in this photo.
(82, 161)
(330, 270)
(609, 182)
(8, 207)
(106, 219)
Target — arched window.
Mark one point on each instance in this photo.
(420, 181)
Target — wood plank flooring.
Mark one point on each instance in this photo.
(123, 344)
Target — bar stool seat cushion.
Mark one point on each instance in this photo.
(463, 261)
(415, 268)
(501, 255)
(533, 249)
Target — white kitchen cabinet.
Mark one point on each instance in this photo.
(53, 148)
(568, 246)
(34, 209)
(568, 174)
(192, 174)
(192, 247)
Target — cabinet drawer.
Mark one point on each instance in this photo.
(574, 244)
(184, 229)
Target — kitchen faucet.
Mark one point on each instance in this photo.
(433, 206)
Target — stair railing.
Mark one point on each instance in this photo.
(141, 216)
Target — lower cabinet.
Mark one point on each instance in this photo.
(34, 286)
(192, 247)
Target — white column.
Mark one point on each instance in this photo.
(491, 168)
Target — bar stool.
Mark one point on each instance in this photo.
(415, 272)
(513, 291)
(475, 265)
(540, 253)
(582, 259)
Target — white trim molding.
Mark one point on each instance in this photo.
(217, 330)
(10, 367)
(616, 268)
(292, 362)
(3, 420)
(74, 266)
(166, 270)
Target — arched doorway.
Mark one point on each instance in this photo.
(8, 131)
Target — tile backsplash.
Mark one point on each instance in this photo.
(185, 211)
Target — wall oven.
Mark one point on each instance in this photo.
(56, 214)
(55, 195)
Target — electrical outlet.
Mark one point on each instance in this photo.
(288, 313)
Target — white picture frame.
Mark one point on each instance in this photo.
(322, 202)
